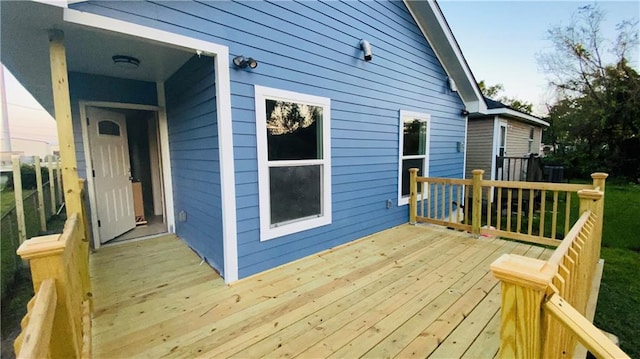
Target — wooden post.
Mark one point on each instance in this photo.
(46, 259)
(413, 195)
(524, 283)
(62, 106)
(52, 185)
(59, 182)
(476, 208)
(599, 180)
(17, 191)
(43, 217)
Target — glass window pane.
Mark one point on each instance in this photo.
(415, 136)
(295, 192)
(294, 131)
(406, 164)
(108, 128)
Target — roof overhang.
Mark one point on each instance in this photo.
(513, 114)
(436, 30)
(24, 41)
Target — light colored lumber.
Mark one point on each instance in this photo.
(590, 336)
(52, 185)
(17, 191)
(62, 111)
(37, 334)
(40, 189)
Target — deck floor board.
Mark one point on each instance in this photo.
(408, 291)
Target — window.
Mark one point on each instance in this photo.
(108, 128)
(414, 150)
(294, 161)
(531, 139)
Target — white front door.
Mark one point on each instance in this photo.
(112, 172)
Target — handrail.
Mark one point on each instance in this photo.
(587, 333)
(63, 259)
(535, 212)
(544, 302)
(34, 340)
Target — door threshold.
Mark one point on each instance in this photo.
(117, 242)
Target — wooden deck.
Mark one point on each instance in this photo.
(411, 291)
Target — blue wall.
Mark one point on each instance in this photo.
(312, 47)
(87, 87)
(195, 165)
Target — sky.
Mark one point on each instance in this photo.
(500, 39)
(27, 119)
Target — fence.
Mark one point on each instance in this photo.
(528, 168)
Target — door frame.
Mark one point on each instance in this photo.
(165, 168)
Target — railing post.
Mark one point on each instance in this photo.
(413, 195)
(17, 190)
(476, 208)
(46, 259)
(599, 180)
(524, 283)
(40, 188)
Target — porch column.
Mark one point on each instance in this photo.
(62, 106)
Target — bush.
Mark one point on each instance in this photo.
(28, 174)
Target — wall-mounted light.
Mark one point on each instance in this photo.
(125, 62)
(464, 112)
(242, 62)
(365, 46)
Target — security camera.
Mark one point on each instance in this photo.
(365, 46)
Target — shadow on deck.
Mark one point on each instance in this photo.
(410, 291)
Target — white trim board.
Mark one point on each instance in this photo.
(267, 231)
(402, 201)
(220, 55)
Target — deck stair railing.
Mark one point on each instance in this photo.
(544, 303)
(58, 321)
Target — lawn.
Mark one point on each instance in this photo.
(618, 310)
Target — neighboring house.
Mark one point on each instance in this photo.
(252, 166)
(502, 132)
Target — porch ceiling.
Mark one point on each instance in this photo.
(25, 49)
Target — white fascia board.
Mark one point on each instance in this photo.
(439, 36)
(517, 115)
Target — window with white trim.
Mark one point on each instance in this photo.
(414, 150)
(531, 134)
(294, 161)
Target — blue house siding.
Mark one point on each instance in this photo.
(88, 87)
(312, 48)
(195, 165)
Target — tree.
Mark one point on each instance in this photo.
(493, 91)
(595, 120)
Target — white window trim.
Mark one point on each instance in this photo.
(266, 231)
(427, 119)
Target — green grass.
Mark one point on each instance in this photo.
(8, 199)
(618, 310)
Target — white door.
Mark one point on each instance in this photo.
(112, 172)
(502, 151)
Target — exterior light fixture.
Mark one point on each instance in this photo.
(125, 62)
(365, 46)
(242, 62)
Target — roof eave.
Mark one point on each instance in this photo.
(438, 34)
(507, 112)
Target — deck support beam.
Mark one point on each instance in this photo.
(413, 195)
(62, 107)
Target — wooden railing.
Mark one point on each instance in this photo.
(544, 303)
(534, 212)
(62, 304)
